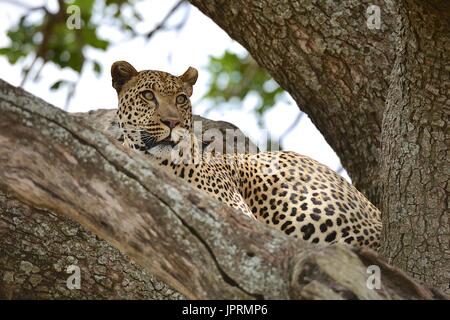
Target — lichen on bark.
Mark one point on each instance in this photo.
(37, 246)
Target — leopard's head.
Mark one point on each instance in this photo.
(154, 106)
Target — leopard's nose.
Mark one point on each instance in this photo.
(171, 123)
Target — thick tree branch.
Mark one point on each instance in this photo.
(193, 243)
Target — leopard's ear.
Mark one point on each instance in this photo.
(189, 78)
(121, 73)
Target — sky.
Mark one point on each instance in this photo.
(172, 52)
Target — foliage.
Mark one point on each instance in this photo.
(234, 78)
(45, 35)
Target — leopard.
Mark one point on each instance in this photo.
(290, 192)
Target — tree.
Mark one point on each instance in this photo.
(162, 223)
(389, 129)
(381, 100)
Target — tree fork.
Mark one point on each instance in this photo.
(195, 244)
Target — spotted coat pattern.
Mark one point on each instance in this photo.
(285, 190)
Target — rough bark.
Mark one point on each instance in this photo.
(195, 244)
(37, 246)
(339, 72)
(325, 56)
(416, 151)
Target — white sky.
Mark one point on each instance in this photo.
(171, 52)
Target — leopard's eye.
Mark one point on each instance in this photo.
(181, 99)
(148, 95)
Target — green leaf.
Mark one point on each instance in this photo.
(233, 77)
(86, 6)
(91, 39)
(97, 68)
(57, 84)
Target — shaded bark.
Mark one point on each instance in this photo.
(37, 246)
(325, 56)
(195, 244)
(416, 151)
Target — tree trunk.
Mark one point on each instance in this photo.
(391, 137)
(415, 169)
(200, 247)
